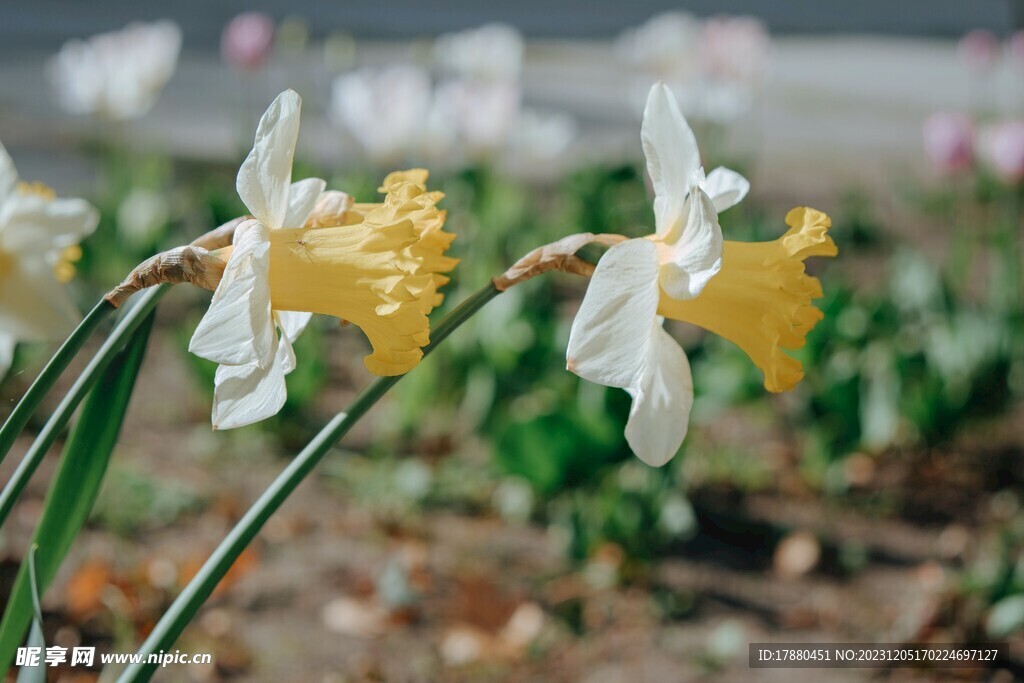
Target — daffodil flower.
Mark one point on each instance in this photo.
(755, 294)
(39, 236)
(308, 251)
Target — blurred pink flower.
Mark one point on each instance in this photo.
(735, 48)
(1015, 49)
(1002, 147)
(979, 49)
(247, 40)
(949, 141)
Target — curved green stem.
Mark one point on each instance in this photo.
(202, 584)
(26, 407)
(114, 343)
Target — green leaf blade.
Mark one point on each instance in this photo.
(74, 488)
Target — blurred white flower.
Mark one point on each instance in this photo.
(440, 131)
(712, 67)
(514, 499)
(541, 136)
(735, 49)
(490, 52)
(117, 75)
(384, 109)
(721, 102)
(485, 113)
(664, 46)
(39, 236)
(141, 217)
(677, 517)
(1002, 147)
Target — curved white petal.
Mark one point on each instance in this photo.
(8, 174)
(32, 223)
(237, 328)
(266, 174)
(726, 188)
(245, 394)
(302, 197)
(672, 156)
(330, 208)
(7, 344)
(292, 323)
(660, 414)
(33, 304)
(696, 257)
(286, 355)
(609, 337)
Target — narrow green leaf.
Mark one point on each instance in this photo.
(74, 487)
(131, 321)
(28, 404)
(34, 674)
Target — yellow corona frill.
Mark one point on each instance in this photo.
(761, 298)
(380, 267)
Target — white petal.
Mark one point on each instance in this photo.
(266, 174)
(689, 263)
(660, 414)
(33, 304)
(237, 328)
(292, 323)
(285, 355)
(245, 394)
(608, 339)
(302, 197)
(672, 155)
(726, 188)
(330, 208)
(7, 344)
(8, 174)
(34, 223)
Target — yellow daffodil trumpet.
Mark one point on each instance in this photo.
(381, 269)
(761, 298)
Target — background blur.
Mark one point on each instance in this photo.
(488, 522)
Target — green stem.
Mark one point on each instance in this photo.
(114, 343)
(26, 407)
(202, 584)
